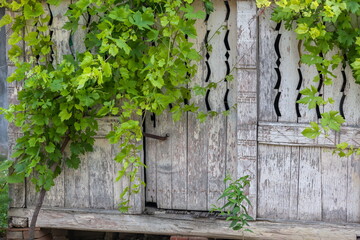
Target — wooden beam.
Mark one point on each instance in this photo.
(184, 224)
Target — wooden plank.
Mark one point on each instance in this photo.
(197, 156)
(247, 33)
(290, 134)
(352, 99)
(294, 182)
(274, 164)
(60, 36)
(309, 202)
(77, 185)
(100, 167)
(56, 196)
(267, 64)
(231, 144)
(216, 126)
(164, 162)
(308, 74)
(353, 190)
(171, 224)
(289, 75)
(151, 146)
(178, 141)
(334, 183)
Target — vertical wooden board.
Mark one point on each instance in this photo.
(309, 201)
(16, 191)
(334, 90)
(197, 140)
(294, 182)
(267, 64)
(289, 75)
(77, 192)
(308, 74)
(334, 186)
(178, 142)
(274, 182)
(55, 197)
(247, 32)
(164, 163)
(60, 36)
(216, 126)
(151, 146)
(100, 167)
(231, 127)
(353, 190)
(352, 100)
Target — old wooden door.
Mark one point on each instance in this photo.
(187, 170)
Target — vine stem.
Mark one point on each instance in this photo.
(41, 198)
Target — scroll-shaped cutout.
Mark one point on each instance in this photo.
(278, 82)
(344, 81)
(227, 69)
(277, 46)
(297, 105)
(318, 113)
(207, 17)
(227, 10)
(226, 40)
(300, 79)
(206, 40)
(226, 102)
(278, 26)
(341, 106)
(207, 100)
(153, 119)
(208, 71)
(276, 104)
(321, 82)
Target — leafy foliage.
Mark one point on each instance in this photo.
(235, 203)
(324, 27)
(138, 59)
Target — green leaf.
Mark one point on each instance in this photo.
(16, 178)
(6, 19)
(33, 11)
(50, 148)
(54, 2)
(312, 132)
(65, 115)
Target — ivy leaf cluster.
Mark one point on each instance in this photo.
(138, 60)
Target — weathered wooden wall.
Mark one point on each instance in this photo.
(300, 178)
(292, 177)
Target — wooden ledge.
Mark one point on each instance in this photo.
(176, 224)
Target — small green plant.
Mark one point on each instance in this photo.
(235, 203)
(4, 200)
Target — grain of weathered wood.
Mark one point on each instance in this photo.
(197, 156)
(56, 196)
(164, 158)
(216, 126)
(167, 224)
(290, 134)
(267, 64)
(309, 202)
(294, 182)
(352, 100)
(101, 177)
(150, 158)
(274, 171)
(178, 141)
(353, 190)
(289, 75)
(77, 185)
(231, 144)
(334, 183)
(247, 33)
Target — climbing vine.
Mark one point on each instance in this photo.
(324, 27)
(138, 59)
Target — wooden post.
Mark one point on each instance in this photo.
(247, 96)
